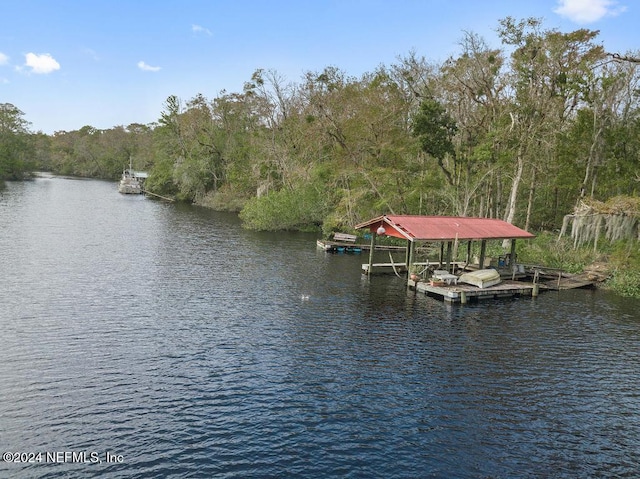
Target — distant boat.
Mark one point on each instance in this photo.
(132, 181)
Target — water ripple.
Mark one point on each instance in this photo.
(171, 336)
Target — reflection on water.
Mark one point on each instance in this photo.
(193, 348)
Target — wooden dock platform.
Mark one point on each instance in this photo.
(556, 279)
(566, 281)
(343, 247)
(463, 293)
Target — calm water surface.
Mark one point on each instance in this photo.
(181, 345)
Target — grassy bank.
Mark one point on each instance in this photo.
(620, 260)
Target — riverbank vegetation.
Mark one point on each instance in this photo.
(526, 131)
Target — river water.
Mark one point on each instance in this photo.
(145, 339)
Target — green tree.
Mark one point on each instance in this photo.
(472, 89)
(547, 77)
(435, 129)
(16, 148)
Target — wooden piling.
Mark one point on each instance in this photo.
(463, 297)
(371, 250)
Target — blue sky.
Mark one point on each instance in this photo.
(103, 63)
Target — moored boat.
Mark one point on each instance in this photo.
(129, 184)
(132, 181)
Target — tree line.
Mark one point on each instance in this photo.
(522, 132)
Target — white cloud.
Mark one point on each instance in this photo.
(4, 59)
(588, 11)
(148, 68)
(199, 29)
(41, 64)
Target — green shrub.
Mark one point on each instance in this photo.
(625, 283)
(625, 254)
(224, 199)
(160, 179)
(299, 209)
(547, 249)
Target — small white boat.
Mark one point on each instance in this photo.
(482, 278)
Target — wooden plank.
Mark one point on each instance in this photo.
(568, 283)
(159, 196)
(345, 237)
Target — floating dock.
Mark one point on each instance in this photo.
(340, 247)
(514, 287)
(463, 293)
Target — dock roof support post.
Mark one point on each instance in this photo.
(512, 253)
(468, 259)
(407, 254)
(449, 246)
(463, 297)
(483, 250)
(373, 247)
(410, 248)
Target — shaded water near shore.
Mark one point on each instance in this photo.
(169, 337)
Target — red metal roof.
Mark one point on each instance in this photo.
(442, 228)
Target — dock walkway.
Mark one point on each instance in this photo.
(336, 246)
(565, 282)
(463, 293)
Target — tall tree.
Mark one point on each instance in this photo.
(16, 149)
(547, 77)
(611, 103)
(472, 89)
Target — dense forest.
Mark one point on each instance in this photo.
(525, 132)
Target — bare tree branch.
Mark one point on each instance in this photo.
(624, 58)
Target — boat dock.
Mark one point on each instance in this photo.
(566, 281)
(462, 281)
(511, 285)
(463, 293)
(344, 247)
